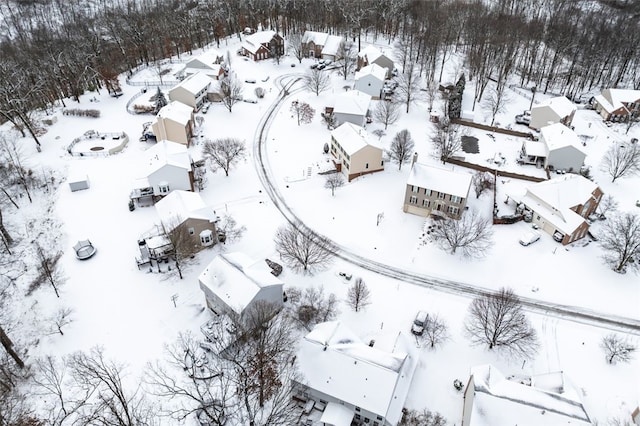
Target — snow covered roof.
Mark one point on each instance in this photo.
(371, 53)
(176, 111)
(253, 42)
(616, 97)
(337, 415)
(334, 361)
(441, 180)
(560, 105)
(236, 279)
(557, 136)
(213, 71)
(331, 45)
(352, 102)
(352, 138)
(209, 58)
(500, 401)
(315, 37)
(534, 148)
(166, 152)
(372, 69)
(182, 205)
(195, 83)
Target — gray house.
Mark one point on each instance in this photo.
(563, 148)
(351, 107)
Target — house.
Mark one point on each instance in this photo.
(617, 104)
(192, 90)
(548, 399)
(167, 166)
(435, 190)
(563, 148)
(210, 63)
(187, 210)
(263, 45)
(233, 282)
(372, 55)
(370, 80)
(350, 107)
(353, 153)
(174, 122)
(560, 206)
(351, 381)
(321, 45)
(554, 110)
(533, 152)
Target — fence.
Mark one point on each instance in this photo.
(493, 128)
(504, 173)
(92, 134)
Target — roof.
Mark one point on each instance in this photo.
(208, 58)
(334, 361)
(315, 37)
(331, 45)
(195, 83)
(236, 279)
(166, 153)
(352, 138)
(253, 42)
(183, 205)
(371, 53)
(352, 102)
(500, 401)
(372, 69)
(336, 415)
(560, 105)
(557, 136)
(604, 103)
(441, 180)
(616, 97)
(534, 148)
(176, 111)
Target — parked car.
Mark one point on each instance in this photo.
(204, 108)
(417, 327)
(250, 100)
(250, 80)
(313, 66)
(523, 119)
(321, 66)
(529, 238)
(557, 236)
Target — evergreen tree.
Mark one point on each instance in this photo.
(160, 101)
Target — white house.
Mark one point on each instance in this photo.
(192, 90)
(354, 153)
(233, 283)
(166, 166)
(209, 63)
(548, 399)
(554, 110)
(174, 122)
(352, 381)
(563, 148)
(372, 55)
(351, 107)
(533, 152)
(370, 80)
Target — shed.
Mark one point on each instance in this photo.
(78, 183)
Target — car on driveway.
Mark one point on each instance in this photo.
(523, 119)
(417, 327)
(529, 238)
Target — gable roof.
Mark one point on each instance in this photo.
(331, 45)
(334, 361)
(560, 105)
(176, 111)
(371, 53)
(549, 399)
(182, 205)
(166, 153)
(616, 97)
(208, 59)
(236, 279)
(194, 84)
(441, 180)
(352, 102)
(352, 138)
(253, 42)
(557, 136)
(372, 69)
(316, 37)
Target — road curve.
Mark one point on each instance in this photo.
(288, 84)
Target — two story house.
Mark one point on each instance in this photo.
(192, 90)
(554, 110)
(263, 45)
(617, 104)
(174, 122)
(321, 45)
(562, 147)
(354, 153)
(372, 55)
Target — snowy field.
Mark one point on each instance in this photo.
(131, 314)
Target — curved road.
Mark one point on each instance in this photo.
(287, 84)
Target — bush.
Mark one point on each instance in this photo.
(260, 92)
(143, 109)
(93, 113)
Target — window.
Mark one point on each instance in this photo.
(376, 424)
(358, 409)
(453, 210)
(191, 231)
(413, 200)
(427, 192)
(441, 195)
(205, 239)
(163, 187)
(366, 165)
(426, 203)
(357, 416)
(455, 199)
(366, 420)
(414, 189)
(379, 417)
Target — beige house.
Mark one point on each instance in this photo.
(617, 104)
(560, 206)
(432, 190)
(192, 90)
(187, 210)
(353, 382)
(563, 148)
(554, 110)
(353, 153)
(549, 399)
(174, 122)
(321, 45)
(372, 55)
(233, 283)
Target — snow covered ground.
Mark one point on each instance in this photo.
(130, 312)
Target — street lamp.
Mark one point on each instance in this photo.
(533, 95)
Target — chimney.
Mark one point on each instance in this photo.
(414, 160)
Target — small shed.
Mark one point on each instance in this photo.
(78, 183)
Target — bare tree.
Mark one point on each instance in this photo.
(386, 112)
(496, 102)
(422, 418)
(617, 348)
(6, 237)
(619, 237)
(401, 149)
(482, 181)
(302, 250)
(61, 319)
(408, 85)
(431, 93)
(49, 270)
(358, 295)
(435, 331)
(224, 153)
(631, 122)
(183, 244)
(295, 46)
(230, 229)
(607, 204)
(471, 234)
(497, 320)
(7, 344)
(447, 140)
(302, 111)
(309, 306)
(317, 81)
(13, 156)
(621, 160)
(334, 181)
(231, 91)
(346, 58)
